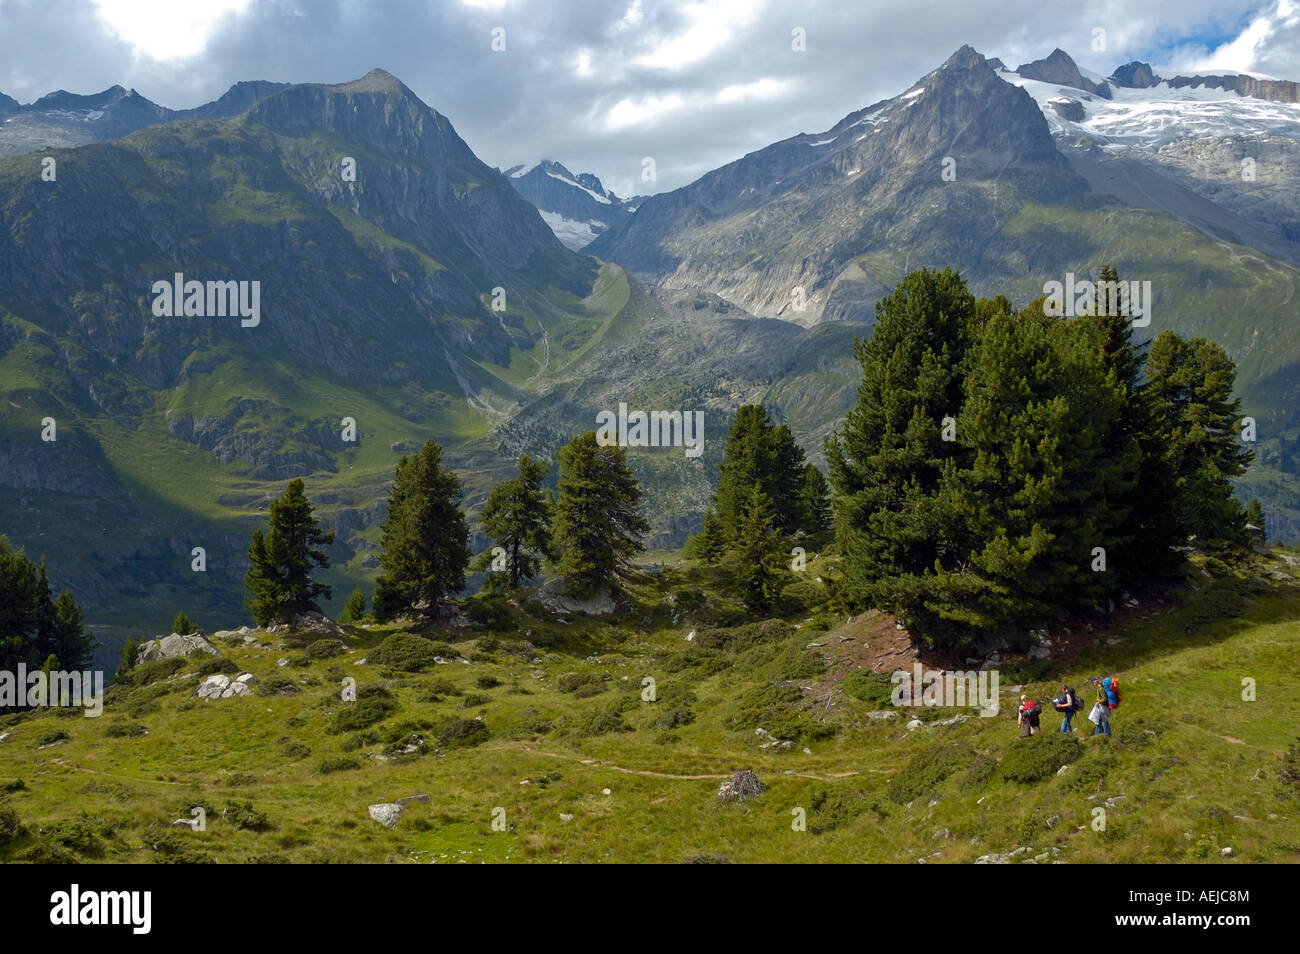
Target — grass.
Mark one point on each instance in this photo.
(1192, 767)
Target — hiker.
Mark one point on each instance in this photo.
(1108, 698)
(1027, 717)
(1067, 703)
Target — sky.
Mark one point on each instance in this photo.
(601, 84)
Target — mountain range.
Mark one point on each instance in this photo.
(576, 207)
(410, 287)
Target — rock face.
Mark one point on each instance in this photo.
(807, 212)
(1058, 67)
(175, 646)
(1135, 75)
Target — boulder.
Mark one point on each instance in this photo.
(174, 646)
(387, 814)
(220, 686)
(554, 598)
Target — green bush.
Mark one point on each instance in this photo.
(763, 706)
(405, 651)
(50, 736)
(927, 770)
(1039, 756)
(295, 750)
(216, 665)
(487, 682)
(737, 639)
(278, 686)
(150, 672)
(874, 688)
(11, 826)
(77, 836)
(490, 612)
(369, 708)
(602, 722)
(584, 685)
(244, 817)
(832, 808)
(325, 649)
(461, 733)
(674, 718)
(475, 700)
(805, 594)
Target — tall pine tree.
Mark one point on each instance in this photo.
(596, 518)
(517, 518)
(1197, 423)
(887, 462)
(425, 536)
(281, 560)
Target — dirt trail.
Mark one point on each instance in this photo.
(648, 773)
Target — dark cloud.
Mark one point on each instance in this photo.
(693, 85)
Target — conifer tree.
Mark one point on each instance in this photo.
(1197, 422)
(814, 500)
(355, 608)
(281, 560)
(182, 625)
(596, 518)
(425, 536)
(887, 462)
(33, 625)
(757, 453)
(756, 573)
(517, 518)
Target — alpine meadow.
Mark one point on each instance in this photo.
(377, 489)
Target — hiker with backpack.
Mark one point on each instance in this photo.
(1027, 716)
(1108, 699)
(1067, 703)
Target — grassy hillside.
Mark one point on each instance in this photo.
(543, 717)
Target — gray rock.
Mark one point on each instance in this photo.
(387, 814)
(174, 646)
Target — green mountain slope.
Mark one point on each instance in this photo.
(548, 730)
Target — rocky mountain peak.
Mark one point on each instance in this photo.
(1058, 67)
(965, 58)
(1135, 75)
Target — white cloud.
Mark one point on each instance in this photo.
(643, 111)
(165, 29)
(1269, 44)
(710, 25)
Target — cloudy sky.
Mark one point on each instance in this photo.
(599, 84)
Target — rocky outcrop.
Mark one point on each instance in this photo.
(174, 646)
(220, 686)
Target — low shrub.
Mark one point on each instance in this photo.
(873, 688)
(926, 771)
(1039, 756)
